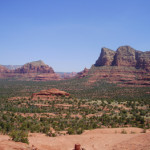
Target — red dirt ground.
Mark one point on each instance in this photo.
(98, 139)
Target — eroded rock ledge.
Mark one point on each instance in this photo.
(46, 94)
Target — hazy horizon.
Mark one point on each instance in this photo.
(68, 35)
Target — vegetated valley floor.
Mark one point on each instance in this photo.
(99, 105)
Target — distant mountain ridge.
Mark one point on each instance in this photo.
(36, 70)
(43, 71)
(12, 67)
(35, 67)
(125, 66)
(66, 75)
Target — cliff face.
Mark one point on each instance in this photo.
(143, 60)
(124, 56)
(106, 57)
(126, 67)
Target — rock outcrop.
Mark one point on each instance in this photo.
(126, 67)
(143, 60)
(83, 73)
(47, 77)
(46, 94)
(106, 57)
(36, 70)
(124, 56)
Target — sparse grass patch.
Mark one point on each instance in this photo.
(132, 132)
(144, 130)
(123, 131)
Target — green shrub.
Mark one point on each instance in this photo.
(124, 131)
(79, 131)
(71, 131)
(144, 130)
(19, 136)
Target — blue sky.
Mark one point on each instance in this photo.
(69, 34)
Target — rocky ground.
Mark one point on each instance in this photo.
(98, 139)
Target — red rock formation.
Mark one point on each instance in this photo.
(143, 60)
(49, 94)
(124, 56)
(36, 70)
(106, 57)
(35, 67)
(83, 73)
(126, 66)
(47, 77)
(125, 76)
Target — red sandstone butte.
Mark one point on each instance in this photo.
(125, 56)
(36, 70)
(126, 66)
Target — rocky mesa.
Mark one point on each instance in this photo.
(35, 67)
(126, 66)
(124, 56)
(36, 70)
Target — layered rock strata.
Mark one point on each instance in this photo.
(126, 66)
(48, 94)
(36, 70)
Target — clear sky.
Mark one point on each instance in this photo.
(69, 34)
